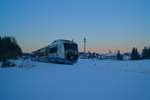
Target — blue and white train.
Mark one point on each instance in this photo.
(59, 51)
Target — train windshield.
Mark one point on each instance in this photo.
(71, 46)
(71, 51)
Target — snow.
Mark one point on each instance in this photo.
(85, 80)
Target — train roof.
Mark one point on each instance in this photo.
(58, 40)
(62, 40)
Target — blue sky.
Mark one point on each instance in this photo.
(107, 24)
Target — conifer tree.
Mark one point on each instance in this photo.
(135, 54)
(149, 53)
(145, 53)
(119, 56)
(9, 48)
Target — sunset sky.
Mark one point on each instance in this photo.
(107, 24)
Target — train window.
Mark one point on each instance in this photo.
(41, 54)
(53, 50)
(70, 46)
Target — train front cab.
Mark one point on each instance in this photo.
(71, 52)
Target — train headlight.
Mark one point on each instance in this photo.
(71, 57)
(66, 52)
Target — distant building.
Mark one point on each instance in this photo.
(126, 56)
(109, 56)
(83, 55)
(89, 55)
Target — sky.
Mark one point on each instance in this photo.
(106, 24)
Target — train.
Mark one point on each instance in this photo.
(60, 51)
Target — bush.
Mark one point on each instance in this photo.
(7, 63)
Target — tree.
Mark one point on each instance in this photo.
(0, 43)
(9, 48)
(135, 54)
(119, 56)
(145, 53)
(149, 53)
(0, 39)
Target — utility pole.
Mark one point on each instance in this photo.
(84, 45)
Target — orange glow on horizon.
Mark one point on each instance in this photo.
(97, 50)
(106, 50)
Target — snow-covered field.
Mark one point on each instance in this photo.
(86, 80)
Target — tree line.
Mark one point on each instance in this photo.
(135, 54)
(9, 48)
